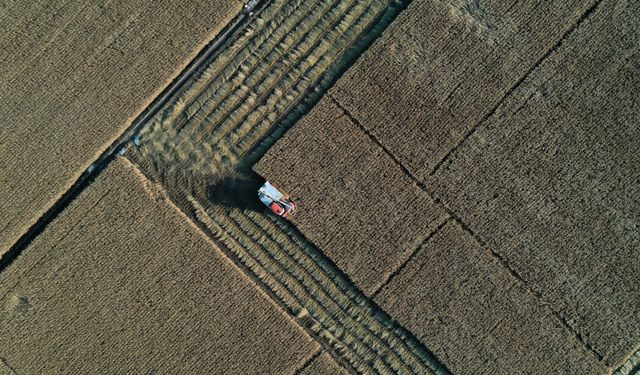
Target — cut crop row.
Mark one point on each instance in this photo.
(259, 83)
(329, 293)
(281, 284)
(281, 262)
(320, 290)
(299, 80)
(258, 59)
(315, 300)
(343, 290)
(274, 68)
(232, 55)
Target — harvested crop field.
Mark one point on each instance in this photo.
(631, 366)
(74, 75)
(475, 317)
(442, 66)
(126, 284)
(464, 171)
(552, 181)
(533, 152)
(242, 94)
(357, 205)
(201, 145)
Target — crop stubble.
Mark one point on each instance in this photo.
(442, 66)
(552, 181)
(475, 317)
(74, 74)
(209, 130)
(125, 284)
(357, 205)
(247, 88)
(631, 366)
(423, 95)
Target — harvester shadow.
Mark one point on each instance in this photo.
(237, 191)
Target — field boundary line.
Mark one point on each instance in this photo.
(42, 258)
(154, 104)
(374, 139)
(502, 260)
(242, 270)
(3, 363)
(261, 286)
(546, 305)
(308, 361)
(515, 86)
(415, 251)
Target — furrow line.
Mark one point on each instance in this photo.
(360, 314)
(258, 87)
(314, 300)
(313, 72)
(247, 253)
(323, 294)
(259, 54)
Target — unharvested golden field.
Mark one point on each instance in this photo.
(521, 124)
(74, 74)
(475, 317)
(122, 282)
(466, 181)
(201, 145)
(442, 66)
(357, 205)
(552, 181)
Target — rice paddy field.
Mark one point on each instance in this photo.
(358, 206)
(478, 319)
(202, 146)
(561, 205)
(444, 66)
(125, 284)
(540, 182)
(74, 75)
(464, 171)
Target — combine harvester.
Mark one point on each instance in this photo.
(278, 202)
(249, 8)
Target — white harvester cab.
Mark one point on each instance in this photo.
(278, 202)
(250, 6)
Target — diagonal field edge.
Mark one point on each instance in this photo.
(503, 261)
(308, 361)
(86, 178)
(415, 251)
(375, 313)
(515, 86)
